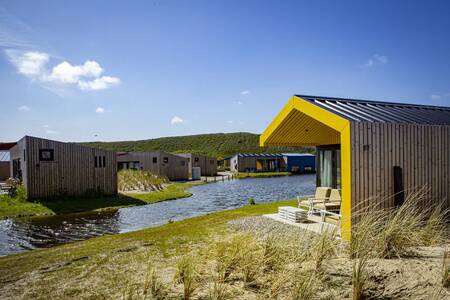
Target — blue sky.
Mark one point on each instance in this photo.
(106, 70)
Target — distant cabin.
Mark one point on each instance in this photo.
(207, 164)
(172, 166)
(300, 162)
(257, 162)
(51, 169)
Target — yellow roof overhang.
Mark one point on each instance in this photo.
(301, 123)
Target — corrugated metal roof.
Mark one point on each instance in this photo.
(384, 112)
(298, 154)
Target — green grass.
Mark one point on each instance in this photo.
(19, 207)
(107, 260)
(218, 145)
(262, 174)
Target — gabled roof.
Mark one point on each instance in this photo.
(384, 112)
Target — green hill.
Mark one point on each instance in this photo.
(216, 144)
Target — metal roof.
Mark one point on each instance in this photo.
(298, 154)
(384, 112)
(269, 155)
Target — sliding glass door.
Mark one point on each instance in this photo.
(329, 166)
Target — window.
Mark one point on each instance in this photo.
(104, 161)
(96, 162)
(196, 159)
(155, 160)
(165, 160)
(100, 161)
(46, 155)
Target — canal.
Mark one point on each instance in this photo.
(17, 235)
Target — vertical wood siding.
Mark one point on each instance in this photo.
(72, 171)
(422, 151)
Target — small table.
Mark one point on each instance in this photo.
(292, 214)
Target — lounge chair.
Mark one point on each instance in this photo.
(332, 203)
(322, 194)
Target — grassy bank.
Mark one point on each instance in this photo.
(19, 206)
(236, 254)
(107, 265)
(262, 174)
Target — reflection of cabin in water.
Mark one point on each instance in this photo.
(259, 162)
(172, 166)
(50, 168)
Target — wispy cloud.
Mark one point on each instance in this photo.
(238, 102)
(230, 121)
(435, 97)
(376, 60)
(176, 120)
(24, 108)
(50, 131)
(99, 110)
(245, 92)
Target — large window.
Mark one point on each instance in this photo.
(329, 166)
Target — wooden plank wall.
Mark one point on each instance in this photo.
(72, 172)
(422, 151)
(177, 167)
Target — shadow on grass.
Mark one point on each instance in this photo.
(64, 205)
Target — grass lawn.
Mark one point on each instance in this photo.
(262, 174)
(107, 264)
(19, 207)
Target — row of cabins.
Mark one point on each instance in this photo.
(273, 162)
(50, 168)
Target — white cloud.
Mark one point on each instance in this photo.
(45, 126)
(176, 120)
(230, 121)
(99, 110)
(87, 76)
(238, 102)
(435, 97)
(246, 92)
(375, 60)
(49, 131)
(67, 73)
(30, 64)
(101, 83)
(24, 108)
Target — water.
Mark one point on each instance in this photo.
(17, 235)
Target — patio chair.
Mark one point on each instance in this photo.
(332, 203)
(321, 195)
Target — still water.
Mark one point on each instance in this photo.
(17, 235)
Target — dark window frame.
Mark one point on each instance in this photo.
(155, 160)
(50, 151)
(166, 160)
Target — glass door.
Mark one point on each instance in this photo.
(329, 166)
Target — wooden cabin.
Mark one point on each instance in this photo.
(172, 166)
(371, 150)
(257, 162)
(51, 169)
(207, 164)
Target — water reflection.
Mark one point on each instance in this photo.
(18, 235)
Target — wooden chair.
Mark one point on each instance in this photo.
(322, 194)
(332, 203)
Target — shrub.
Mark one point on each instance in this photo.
(251, 201)
(153, 287)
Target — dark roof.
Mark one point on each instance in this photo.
(384, 112)
(268, 155)
(7, 146)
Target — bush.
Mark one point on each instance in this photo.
(251, 201)
(187, 275)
